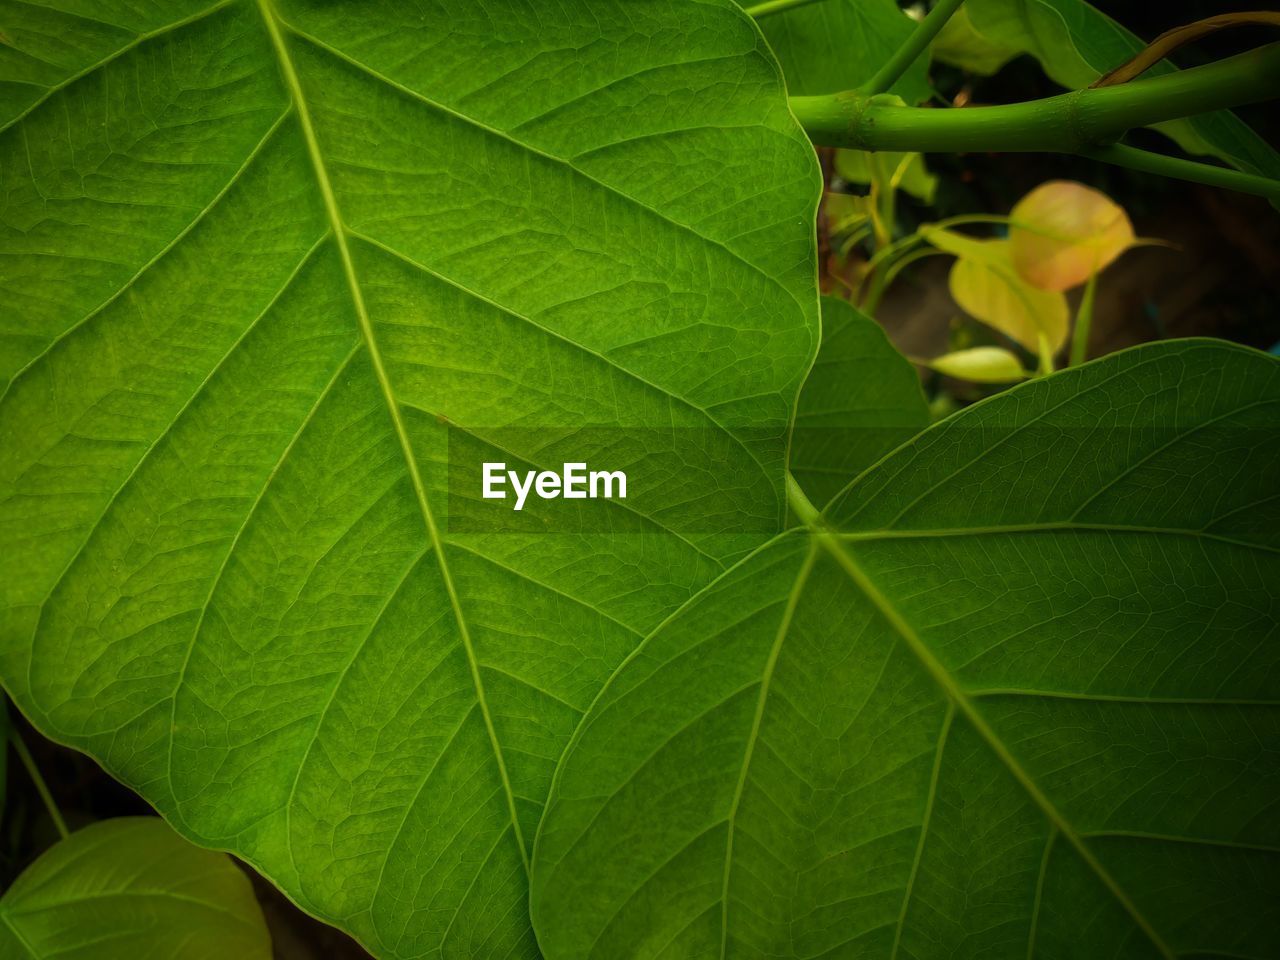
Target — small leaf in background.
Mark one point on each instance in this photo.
(986, 285)
(908, 169)
(1062, 232)
(845, 211)
(959, 44)
(980, 365)
(132, 889)
(997, 296)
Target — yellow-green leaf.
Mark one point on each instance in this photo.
(988, 288)
(1062, 232)
(981, 365)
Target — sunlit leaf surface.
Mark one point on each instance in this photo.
(269, 269)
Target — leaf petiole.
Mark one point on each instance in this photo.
(1193, 171)
(1084, 320)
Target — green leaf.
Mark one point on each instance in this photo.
(838, 45)
(980, 365)
(860, 166)
(1077, 43)
(960, 45)
(862, 398)
(282, 275)
(129, 888)
(1017, 695)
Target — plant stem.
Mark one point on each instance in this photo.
(911, 48)
(891, 272)
(776, 6)
(1191, 170)
(1074, 122)
(1045, 353)
(20, 748)
(1084, 320)
(896, 255)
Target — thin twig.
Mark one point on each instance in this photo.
(20, 748)
(911, 48)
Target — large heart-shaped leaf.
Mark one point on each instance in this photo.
(1016, 693)
(127, 889)
(277, 277)
(1076, 43)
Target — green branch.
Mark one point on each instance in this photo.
(912, 48)
(1076, 122)
(776, 6)
(1191, 170)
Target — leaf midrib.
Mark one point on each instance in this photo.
(10, 912)
(340, 234)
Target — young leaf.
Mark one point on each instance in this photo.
(837, 45)
(1076, 44)
(1062, 233)
(986, 284)
(1017, 694)
(980, 365)
(861, 399)
(276, 272)
(129, 888)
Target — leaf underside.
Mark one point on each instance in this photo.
(267, 267)
(1018, 695)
